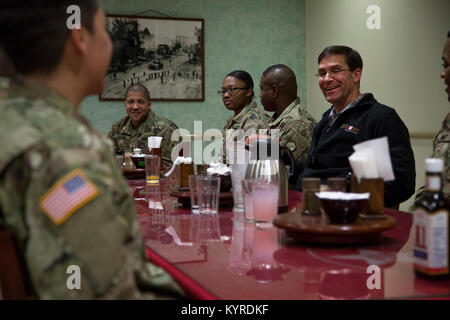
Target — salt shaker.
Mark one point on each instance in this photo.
(119, 158)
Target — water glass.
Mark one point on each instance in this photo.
(208, 188)
(265, 201)
(193, 192)
(152, 168)
(237, 174)
(248, 199)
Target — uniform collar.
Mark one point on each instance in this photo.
(275, 121)
(243, 112)
(348, 106)
(362, 100)
(129, 126)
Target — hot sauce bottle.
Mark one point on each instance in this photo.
(431, 226)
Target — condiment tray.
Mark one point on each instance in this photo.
(318, 229)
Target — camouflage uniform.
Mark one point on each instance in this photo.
(126, 137)
(441, 150)
(251, 117)
(296, 126)
(43, 139)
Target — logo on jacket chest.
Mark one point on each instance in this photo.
(350, 128)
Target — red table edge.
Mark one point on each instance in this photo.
(192, 289)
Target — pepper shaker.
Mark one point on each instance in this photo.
(311, 204)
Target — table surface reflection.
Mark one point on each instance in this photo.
(231, 259)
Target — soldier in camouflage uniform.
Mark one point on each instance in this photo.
(60, 192)
(237, 95)
(140, 123)
(440, 149)
(279, 94)
(442, 139)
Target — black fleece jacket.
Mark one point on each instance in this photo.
(331, 146)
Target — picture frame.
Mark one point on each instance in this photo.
(164, 54)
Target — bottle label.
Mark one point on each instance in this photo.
(431, 242)
(433, 183)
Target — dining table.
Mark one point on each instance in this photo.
(224, 257)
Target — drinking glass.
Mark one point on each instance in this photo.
(248, 199)
(193, 192)
(208, 188)
(265, 201)
(237, 174)
(152, 168)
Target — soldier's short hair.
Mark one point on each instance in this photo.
(138, 87)
(33, 33)
(243, 76)
(284, 78)
(352, 57)
(275, 67)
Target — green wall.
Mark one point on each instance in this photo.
(239, 34)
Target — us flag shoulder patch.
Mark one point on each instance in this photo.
(67, 195)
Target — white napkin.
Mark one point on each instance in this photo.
(155, 205)
(178, 161)
(154, 142)
(218, 168)
(371, 159)
(363, 164)
(337, 195)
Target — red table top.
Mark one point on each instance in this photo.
(223, 257)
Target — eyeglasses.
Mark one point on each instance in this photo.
(446, 68)
(333, 72)
(231, 91)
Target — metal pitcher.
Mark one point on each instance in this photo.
(269, 164)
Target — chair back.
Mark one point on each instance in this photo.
(12, 277)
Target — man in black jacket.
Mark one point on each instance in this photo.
(354, 118)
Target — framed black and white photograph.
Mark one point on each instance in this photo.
(164, 54)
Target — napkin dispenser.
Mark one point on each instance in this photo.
(371, 165)
(375, 186)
